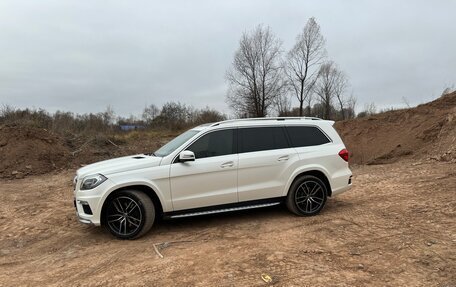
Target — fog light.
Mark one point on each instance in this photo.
(85, 207)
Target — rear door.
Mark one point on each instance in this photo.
(212, 178)
(265, 162)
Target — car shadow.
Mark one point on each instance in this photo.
(235, 219)
(254, 216)
(207, 220)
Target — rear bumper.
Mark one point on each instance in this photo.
(344, 183)
(340, 190)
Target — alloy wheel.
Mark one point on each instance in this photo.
(309, 196)
(124, 216)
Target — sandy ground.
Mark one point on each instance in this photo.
(396, 227)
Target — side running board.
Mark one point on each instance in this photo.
(224, 210)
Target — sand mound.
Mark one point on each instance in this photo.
(427, 131)
(28, 150)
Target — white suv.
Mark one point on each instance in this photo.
(225, 166)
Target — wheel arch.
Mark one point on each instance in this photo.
(315, 172)
(150, 192)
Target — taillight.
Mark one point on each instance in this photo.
(344, 154)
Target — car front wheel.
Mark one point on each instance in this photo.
(307, 196)
(129, 214)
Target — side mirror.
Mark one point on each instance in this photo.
(186, 155)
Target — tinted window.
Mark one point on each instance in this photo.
(306, 136)
(258, 139)
(213, 144)
(175, 143)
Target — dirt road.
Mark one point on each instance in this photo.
(396, 227)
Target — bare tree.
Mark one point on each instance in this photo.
(108, 115)
(406, 102)
(330, 85)
(150, 113)
(255, 78)
(448, 90)
(341, 83)
(351, 106)
(207, 115)
(174, 115)
(283, 105)
(370, 108)
(309, 101)
(302, 62)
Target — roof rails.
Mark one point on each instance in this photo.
(266, 119)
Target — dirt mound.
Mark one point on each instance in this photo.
(427, 131)
(27, 150)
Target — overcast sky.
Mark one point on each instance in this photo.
(81, 56)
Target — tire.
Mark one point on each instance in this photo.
(307, 196)
(129, 214)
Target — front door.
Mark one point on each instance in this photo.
(212, 178)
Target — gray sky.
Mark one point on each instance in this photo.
(81, 56)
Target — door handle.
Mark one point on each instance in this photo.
(283, 158)
(227, 164)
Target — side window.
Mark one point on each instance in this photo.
(214, 144)
(306, 136)
(258, 139)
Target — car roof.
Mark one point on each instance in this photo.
(269, 121)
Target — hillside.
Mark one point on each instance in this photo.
(427, 131)
(27, 150)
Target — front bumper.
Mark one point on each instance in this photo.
(83, 220)
(88, 203)
(81, 211)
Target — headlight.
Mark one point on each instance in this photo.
(92, 181)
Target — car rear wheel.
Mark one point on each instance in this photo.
(129, 214)
(307, 196)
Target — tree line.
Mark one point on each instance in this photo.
(172, 116)
(264, 80)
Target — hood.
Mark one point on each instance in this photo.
(120, 164)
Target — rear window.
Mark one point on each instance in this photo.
(306, 136)
(259, 139)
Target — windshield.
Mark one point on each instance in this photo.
(175, 143)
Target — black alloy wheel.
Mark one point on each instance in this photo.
(307, 196)
(129, 214)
